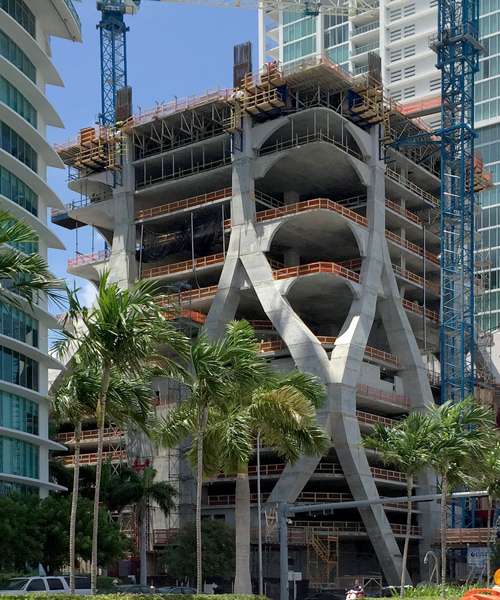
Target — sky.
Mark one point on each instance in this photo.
(172, 50)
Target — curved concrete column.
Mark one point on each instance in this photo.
(246, 262)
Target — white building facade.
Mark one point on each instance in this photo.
(26, 69)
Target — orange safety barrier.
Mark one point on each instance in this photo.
(185, 265)
(481, 594)
(327, 340)
(192, 315)
(432, 315)
(318, 267)
(419, 105)
(316, 203)
(371, 392)
(370, 419)
(86, 259)
(172, 207)
(414, 278)
(402, 211)
(89, 434)
(411, 246)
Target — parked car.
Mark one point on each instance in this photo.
(54, 585)
(176, 590)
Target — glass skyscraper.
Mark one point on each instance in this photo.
(25, 70)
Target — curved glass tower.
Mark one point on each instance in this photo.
(25, 71)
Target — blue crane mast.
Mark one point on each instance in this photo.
(458, 49)
(113, 53)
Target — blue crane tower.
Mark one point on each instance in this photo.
(458, 49)
(113, 53)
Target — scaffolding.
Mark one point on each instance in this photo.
(322, 558)
(92, 150)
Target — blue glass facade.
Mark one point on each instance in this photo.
(488, 143)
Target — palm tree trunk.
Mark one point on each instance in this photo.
(444, 493)
(143, 554)
(101, 416)
(74, 504)
(409, 486)
(199, 484)
(242, 579)
(488, 543)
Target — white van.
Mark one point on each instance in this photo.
(52, 585)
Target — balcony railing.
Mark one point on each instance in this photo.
(414, 188)
(73, 12)
(376, 393)
(365, 28)
(88, 435)
(366, 48)
(87, 259)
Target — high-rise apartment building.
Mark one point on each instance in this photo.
(26, 68)
(274, 203)
(399, 31)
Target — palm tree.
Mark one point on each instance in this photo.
(219, 370)
(463, 433)
(123, 331)
(252, 399)
(23, 275)
(282, 411)
(492, 484)
(140, 489)
(406, 447)
(76, 401)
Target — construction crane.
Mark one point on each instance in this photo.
(458, 50)
(113, 34)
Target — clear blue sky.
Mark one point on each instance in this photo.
(172, 49)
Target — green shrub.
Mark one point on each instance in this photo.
(133, 596)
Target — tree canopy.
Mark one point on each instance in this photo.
(218, 551)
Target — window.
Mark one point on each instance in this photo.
(395, 55)
(18, 147)
(18, 413)
(16, 190)
(395, 75)
(298, 30)
(18, 457)
(55, 584)
(14, 54)
(336, 36)
(409, 30)
(396, 95)
(13, 98)
(409, 71)
(435, 84)
(18, 369)
(299, 49)
(409, 92)
(19, 11)
(409, 51)
(395, 35)
(19, 325)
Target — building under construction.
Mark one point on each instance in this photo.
(281, 201)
